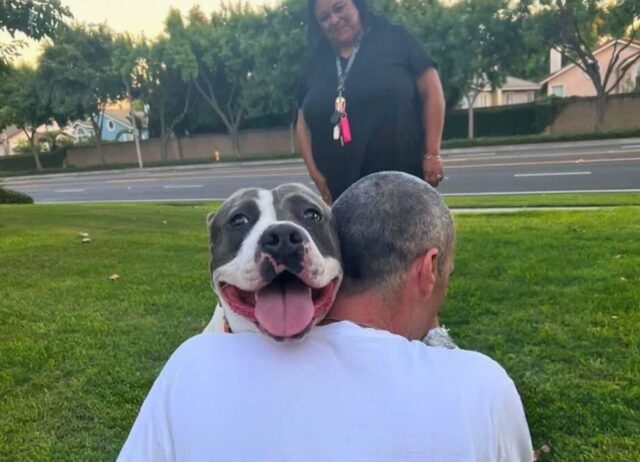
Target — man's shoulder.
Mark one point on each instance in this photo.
(205, 347)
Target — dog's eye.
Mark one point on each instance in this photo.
(312, 214)
(238, 220)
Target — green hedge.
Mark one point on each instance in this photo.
(26, 162)
(537, 139)
(516, 120)
(8, 196)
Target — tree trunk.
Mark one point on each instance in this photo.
(97, 135)
(292, 136)
(163, 134)
(470, 121)
(99, 147)
(235, 140)
(601, 108)
(164, 152)
(136, 134)
(179, 143)
(34, 151)
(37, 159)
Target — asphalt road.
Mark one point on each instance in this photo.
(559, 167)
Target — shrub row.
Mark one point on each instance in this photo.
(515, 120)
(8, 196)
(26, 162)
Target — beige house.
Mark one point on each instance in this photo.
(570, 80)
(12, 137)
(9, 138)
(513, 91)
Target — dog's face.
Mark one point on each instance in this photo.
(275, 260)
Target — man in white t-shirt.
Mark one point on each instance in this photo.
(362, 387)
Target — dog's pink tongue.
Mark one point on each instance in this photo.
(284, 310)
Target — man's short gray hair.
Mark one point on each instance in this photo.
(385, 221)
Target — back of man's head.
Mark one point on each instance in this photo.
(385, 221)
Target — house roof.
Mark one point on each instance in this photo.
(514, 83)
(610, 43)
(119, 114)
(11, 131)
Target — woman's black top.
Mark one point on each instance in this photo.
(383, 105)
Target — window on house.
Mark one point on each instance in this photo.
(481, 100)
(557, 90)
(110, 125)
(530, 96)
(509, 98)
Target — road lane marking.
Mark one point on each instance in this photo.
(63, 191)
(472, 156)
(132, 180)
(526, 175)
(182, 186)
(631, 146)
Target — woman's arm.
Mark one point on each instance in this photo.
(433, 109)
(304, 142)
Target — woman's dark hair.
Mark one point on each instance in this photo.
(314, 33)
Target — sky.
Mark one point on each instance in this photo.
(133, 16)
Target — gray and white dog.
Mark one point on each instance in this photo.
(275, 262)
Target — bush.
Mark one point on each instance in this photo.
(8, 196)
(515, 120)
(537, 139)
(26, 162)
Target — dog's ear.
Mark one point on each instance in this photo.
(210, 217)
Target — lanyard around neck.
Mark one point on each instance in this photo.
(343, 74)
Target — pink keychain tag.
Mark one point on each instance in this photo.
(345, 128)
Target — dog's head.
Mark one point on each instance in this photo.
(275, 260)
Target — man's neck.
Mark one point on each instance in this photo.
(367, 310)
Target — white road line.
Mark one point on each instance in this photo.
(631, 146)
(480, 154)
(527, 175)
(183, 186)
(62, 191)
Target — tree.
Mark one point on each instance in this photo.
(248, 61)
(472, 40)
(34, 18)
(222, 49)
(128, 63)
(80, 76)
(578, 27)
(22, 107)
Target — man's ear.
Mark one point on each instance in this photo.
(428, 271)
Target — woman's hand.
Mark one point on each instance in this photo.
(304, 141)
(432, 169)
(321, 183)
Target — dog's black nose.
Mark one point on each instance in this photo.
(282, 242)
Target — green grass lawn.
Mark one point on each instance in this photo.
(545, 200)
(553, 296)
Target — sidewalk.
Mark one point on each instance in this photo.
(542, 146)
(497, 210)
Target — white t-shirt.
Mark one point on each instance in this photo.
(344, 394)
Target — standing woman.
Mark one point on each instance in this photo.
(370, 99)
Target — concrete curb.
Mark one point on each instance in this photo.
(212, 166)
(498, 210)
(541, 146)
